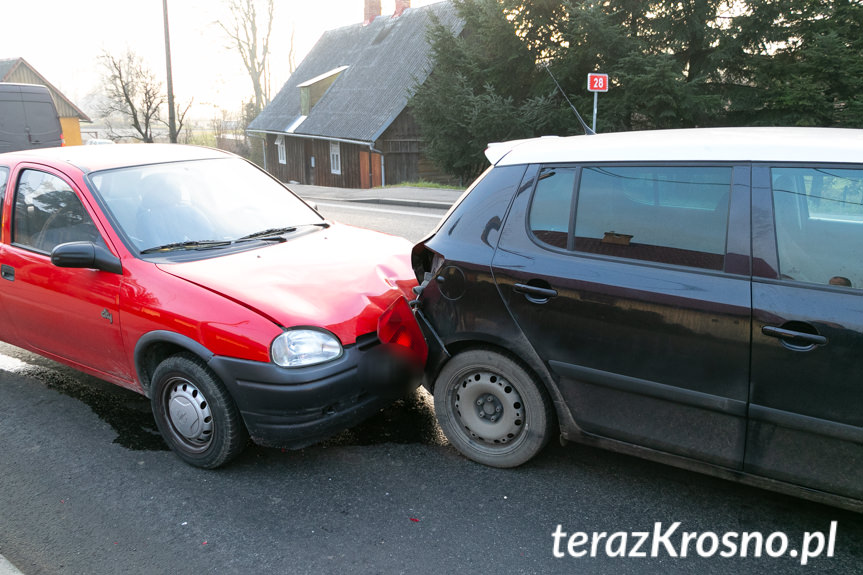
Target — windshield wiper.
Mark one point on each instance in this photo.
(189, 245)
(277, 234)
(268, 234)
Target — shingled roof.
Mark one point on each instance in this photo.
(18, 70)
(382, 62)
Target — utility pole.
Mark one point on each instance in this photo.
(172, 119)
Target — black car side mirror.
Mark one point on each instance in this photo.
(85, 255)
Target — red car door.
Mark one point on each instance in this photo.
(68, 314)
(7, 330)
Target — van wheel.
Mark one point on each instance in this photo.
(491, 409)
(195, 414)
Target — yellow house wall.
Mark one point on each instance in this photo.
(71, 131)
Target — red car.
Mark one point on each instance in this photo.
(191, 276)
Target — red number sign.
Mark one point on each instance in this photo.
(597, 82)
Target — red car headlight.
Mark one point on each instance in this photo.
(304, 347)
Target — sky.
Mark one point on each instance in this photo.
(63, 39)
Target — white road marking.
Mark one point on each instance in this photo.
(12, 364)
(7, 568)
(379, 210)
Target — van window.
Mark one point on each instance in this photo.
(668, 214)
(818, 214)
(48, 213)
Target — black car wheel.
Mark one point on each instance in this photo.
(195, 414)
(491, 409)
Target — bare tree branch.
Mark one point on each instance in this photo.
(132, 93)
(180, 114)
(253, 44)
(292, 61)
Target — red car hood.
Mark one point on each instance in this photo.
(341, 278)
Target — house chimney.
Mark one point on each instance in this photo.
(401, 6)
(373, 10)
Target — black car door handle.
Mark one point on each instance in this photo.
(793, 337)
(7, 272)
(535, 291)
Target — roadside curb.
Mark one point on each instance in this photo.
(7, 568)
(389, 201)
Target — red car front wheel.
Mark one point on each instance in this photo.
(195, 414)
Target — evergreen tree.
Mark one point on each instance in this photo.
(686, 63)
(805, 62)
(482, 90)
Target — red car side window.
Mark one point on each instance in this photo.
(48, 213)
(4, 177)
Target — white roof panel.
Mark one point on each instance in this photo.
(823, 145)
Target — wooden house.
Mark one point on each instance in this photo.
(342, 118)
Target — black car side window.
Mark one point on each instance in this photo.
(667, 214)
(819, 224)
(551, 207)
(48, 213)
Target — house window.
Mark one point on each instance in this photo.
(335, 158)
(280, 146)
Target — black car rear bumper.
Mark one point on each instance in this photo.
(437, 352)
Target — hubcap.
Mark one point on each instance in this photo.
(489, 409)
(189, 413)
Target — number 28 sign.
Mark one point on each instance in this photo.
(597, 82)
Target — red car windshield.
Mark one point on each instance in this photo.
(210, 202)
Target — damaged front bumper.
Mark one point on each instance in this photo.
(293, 408)
(296, 407)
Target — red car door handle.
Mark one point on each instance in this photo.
(793, 337)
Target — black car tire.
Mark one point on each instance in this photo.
(491, 409)
(195, 414)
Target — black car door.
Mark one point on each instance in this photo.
(807, 373)
(625, 280)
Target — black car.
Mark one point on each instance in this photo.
(691, 296)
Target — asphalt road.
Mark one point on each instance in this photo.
(410, 222)
(88, 487)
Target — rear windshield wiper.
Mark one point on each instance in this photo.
(189, 245)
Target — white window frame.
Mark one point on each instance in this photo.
(280, 146)
(335, 158)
